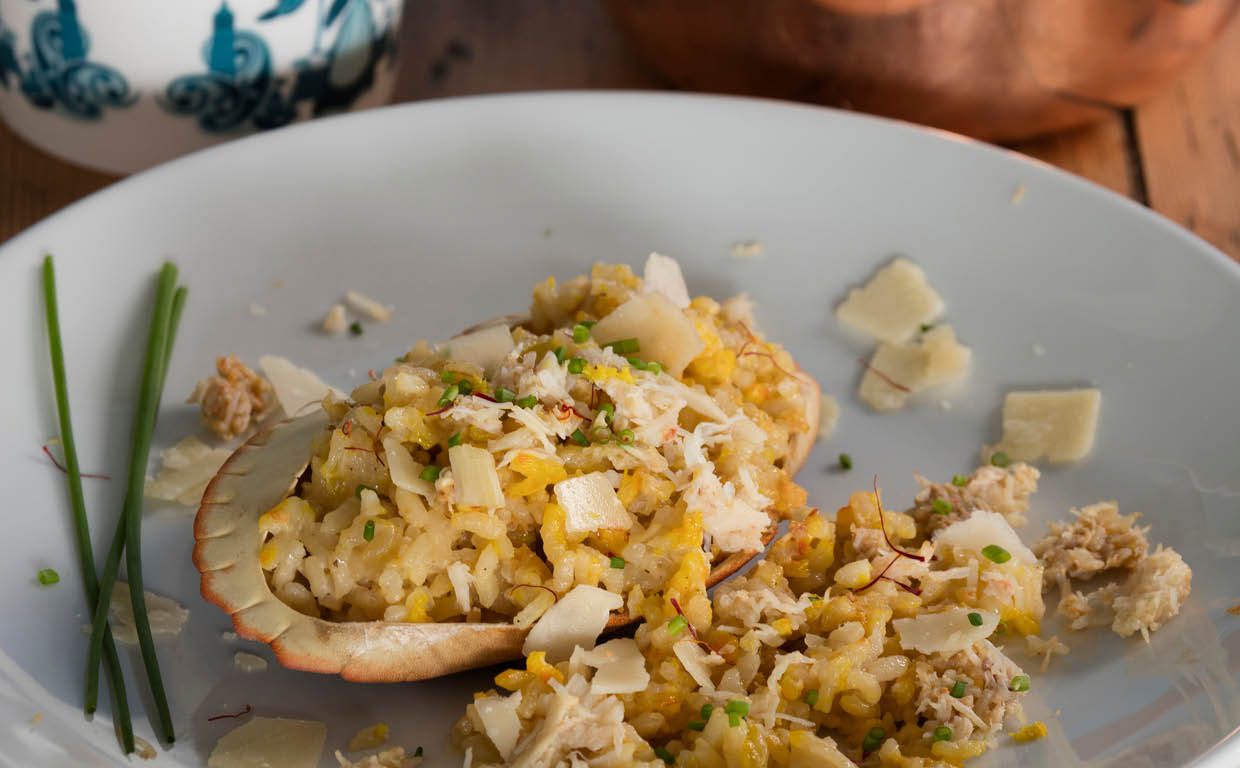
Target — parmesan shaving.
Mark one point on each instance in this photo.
(296, 388)
(499, 721)
(893, 305)
(270, 742)
(477, 484)
(486, 348)
(590, 503)
(900, 370)
(982, 529)
(663, 332)
(948, 632)
(335, 321)
(576, 620)
(1057, 424)
(620, 666)
(697, 662)
(249, 663)
(662, 274)
(166, 616)
(185, 470)
(367, 306)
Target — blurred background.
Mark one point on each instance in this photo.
(1141, 96)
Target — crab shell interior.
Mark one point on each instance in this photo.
(264, 471)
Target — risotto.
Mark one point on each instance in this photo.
(876, 638)
(620, 437)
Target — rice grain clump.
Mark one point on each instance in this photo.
(616, 439)
(801, 662)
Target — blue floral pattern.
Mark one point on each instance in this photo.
(58, 73)
(238, 89)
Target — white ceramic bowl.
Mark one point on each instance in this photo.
(127, 84)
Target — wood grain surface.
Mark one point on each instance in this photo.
(1178, 153)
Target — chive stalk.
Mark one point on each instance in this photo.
(128, 531)
(86, 556)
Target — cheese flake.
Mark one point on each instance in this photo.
(893, 305)
(270, 742)
(663, 274)
(185, 470)
(1056, 424)
(898, 371)
(576, 620)
(590, 503)
(296, 388)
(619, 667)
(948, 631)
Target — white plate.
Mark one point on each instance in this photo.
(452, 210)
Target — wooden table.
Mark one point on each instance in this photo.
(1179, 153)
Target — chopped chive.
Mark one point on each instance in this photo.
(617, 562)
(811, 697)
(873, 739)
(431, 473)
(996, 553)
(654, 367)
(86, 555)
(1001, 628)
(1020, 683)
(447, 377)
(466, 387)
(706, 710)
(845, 461)
(361, 487)
(560, 354)
(579, 437)
(576, 365)
(455, 440)
(529, 401)
(449, 394)
(975, 618)
(925, 327)
(48, 576)
(941, 506)
(505, 395)
(664, 755)
(609, 410)
(588, 324)
(696, 725)
(355, 328)
(626, 436)
(734, 719)
(677, 625)
(624, 347)
(739, 707)
(580, 333)
(942, 733)
(958, 690)
(959, 481)
(1000, 459)
(637, 363)
(368, 530)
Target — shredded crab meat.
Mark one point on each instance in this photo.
(993, 489)
(1099, 539)
(232, 400)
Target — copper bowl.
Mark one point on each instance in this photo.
(996, 69)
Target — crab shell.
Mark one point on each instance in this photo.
(266, 469)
